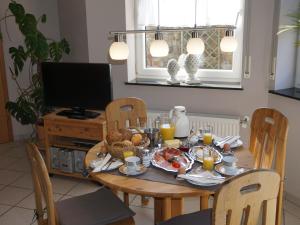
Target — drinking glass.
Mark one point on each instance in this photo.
(208, 160)
(167, 128)
(207, 136)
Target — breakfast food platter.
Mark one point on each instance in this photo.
(171, 159)
(197, 153)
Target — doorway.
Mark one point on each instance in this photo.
(5, 120)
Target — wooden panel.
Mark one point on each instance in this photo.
(269, 129)
(5, 120)
(242, 198)
(121, 110)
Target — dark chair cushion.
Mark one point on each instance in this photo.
(96, 208)
(202, 217)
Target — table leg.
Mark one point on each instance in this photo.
(162, 209)
(204, 202)
(177, 206)
(126, 198)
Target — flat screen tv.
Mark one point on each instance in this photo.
(79, 86)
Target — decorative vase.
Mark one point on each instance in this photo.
(173, 68)
(191, 65)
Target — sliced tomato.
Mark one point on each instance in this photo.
(176, 164)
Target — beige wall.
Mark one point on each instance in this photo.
(51, 30)
(73, 27)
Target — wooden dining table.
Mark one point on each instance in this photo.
(168, 198)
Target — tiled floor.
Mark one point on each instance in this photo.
(17, 198)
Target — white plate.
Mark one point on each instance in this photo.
(229, 171)
(123, 170)
(200, 171)
(193, 154)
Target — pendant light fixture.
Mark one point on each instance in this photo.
(159, 47)
(119, 49)
(228, 43)
(195, 45)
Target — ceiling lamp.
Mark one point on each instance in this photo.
(119, 49)
(195, 45)
(159, 47)
(228, 43)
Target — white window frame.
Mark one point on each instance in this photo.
(234, 75)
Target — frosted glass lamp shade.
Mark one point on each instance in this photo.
(159, 48)
(228, 44)
(195, 46)
(119, 51)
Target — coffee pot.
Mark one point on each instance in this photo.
(181, 121)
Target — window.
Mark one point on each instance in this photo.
(215, 64)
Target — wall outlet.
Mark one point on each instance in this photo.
(245, 121)
(272, 76)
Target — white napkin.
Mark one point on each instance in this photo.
(203, 179)
(233, 141)
(100, 164)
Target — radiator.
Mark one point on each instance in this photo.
(222, 125)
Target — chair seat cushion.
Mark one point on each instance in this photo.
(96, 208)
(202, 217)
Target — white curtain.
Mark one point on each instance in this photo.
(182, 12)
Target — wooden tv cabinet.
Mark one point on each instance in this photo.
(61, 131)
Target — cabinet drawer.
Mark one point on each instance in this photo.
(94, 133)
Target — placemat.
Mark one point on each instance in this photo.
(162, 176)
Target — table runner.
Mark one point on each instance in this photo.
(162, 176)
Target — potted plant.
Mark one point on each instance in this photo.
(28, 108)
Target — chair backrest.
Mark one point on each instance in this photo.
(42, 187)
(269, 130)
(119, 111)
(243, 199)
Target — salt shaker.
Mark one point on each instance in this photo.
(146, 157)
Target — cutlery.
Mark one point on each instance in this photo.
(230, 141)
(102, 163)
(223, 140)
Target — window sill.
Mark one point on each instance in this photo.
(206, 85)
(293, 93)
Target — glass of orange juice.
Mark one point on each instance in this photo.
(208, 160)
(207, 136)
(167, 128)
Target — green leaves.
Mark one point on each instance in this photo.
(19, 57)
(44, 18)
(57, 49)
(29, 106)
(17, 10)
(22, 110)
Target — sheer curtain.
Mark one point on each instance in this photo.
(182, 12)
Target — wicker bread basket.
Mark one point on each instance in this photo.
(116, 149)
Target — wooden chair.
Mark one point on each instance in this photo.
(126, 112)
(119, 111)
(240, 201)
(269, 129)
(100, 207)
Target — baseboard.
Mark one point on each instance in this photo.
(292, 198)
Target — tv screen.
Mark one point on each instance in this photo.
(77, 85)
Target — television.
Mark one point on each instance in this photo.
(79, 86)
